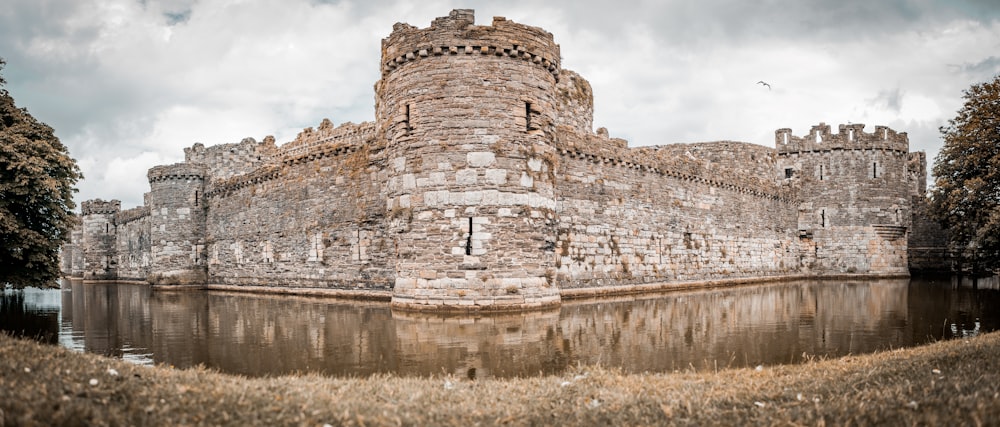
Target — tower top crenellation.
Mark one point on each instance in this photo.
(848, 137)
(457, 34)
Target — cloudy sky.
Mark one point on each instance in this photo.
(127, 84)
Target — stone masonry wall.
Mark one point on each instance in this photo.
(466, 113)
(313, 220)
(133, 246)
(855, 191)
(177, 224)
(228, 160)
(629, 223)
(98, 242)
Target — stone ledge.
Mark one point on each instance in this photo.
(352, 294)
(661, 287)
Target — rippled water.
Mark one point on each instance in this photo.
(270, 335)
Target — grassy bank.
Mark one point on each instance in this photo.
(946, 383)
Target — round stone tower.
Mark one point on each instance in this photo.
(98, 239)
(177, 224)
(855, 202)
(467, 115)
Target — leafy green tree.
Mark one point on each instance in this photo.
(37, 176)
(966, 197)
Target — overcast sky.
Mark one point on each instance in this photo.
(127, 84)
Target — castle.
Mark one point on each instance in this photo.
(482, 185)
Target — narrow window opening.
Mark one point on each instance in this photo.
(875, 170)
(819, 137)
(196, 198)
(820, 172)
(850, 135)
(786, 137)
(468, 239)
(885, 133)
(107, 227)
(527, 116)
(822, 218)
(406, 122)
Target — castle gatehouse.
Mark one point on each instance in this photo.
(481, 185)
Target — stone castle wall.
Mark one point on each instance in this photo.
(98, 239)
(133, 244)
(312, 220)
(481, 185)
(660, 214)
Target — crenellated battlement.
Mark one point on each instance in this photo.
(346, 134)
(131, 215)
(98, 206)
(457, 34)
(178, 171)
(849, 137)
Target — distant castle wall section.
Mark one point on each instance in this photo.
(313, 218)
(133, 244)
(646, 217)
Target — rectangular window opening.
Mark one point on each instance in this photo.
(820, 172)
(196, 198)
(874, 170)
(527, 116)
(789, 172)
(822, 218)
(406, 122)
(468, 239)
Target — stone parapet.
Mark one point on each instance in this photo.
(849, 137)
(457, 34)
(326, 135)
(177, 171)
(98, 206)
(130, 215)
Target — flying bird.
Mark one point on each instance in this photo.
(761, 82)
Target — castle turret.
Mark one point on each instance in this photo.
(467, 114)
(177, 224)
(854, 209)
(97, 239)
(71, 255)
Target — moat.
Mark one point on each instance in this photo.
(268, 335)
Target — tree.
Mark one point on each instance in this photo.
(966, 197)
(37, 176)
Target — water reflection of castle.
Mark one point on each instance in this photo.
(258, 335)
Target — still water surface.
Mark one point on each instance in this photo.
(269, 335)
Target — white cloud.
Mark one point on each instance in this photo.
(135, 82)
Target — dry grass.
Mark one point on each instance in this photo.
(947, 383)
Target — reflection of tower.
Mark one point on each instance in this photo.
(177, 224)
(98, 239)
(854, 196)
(491, 345)
(467, 114)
